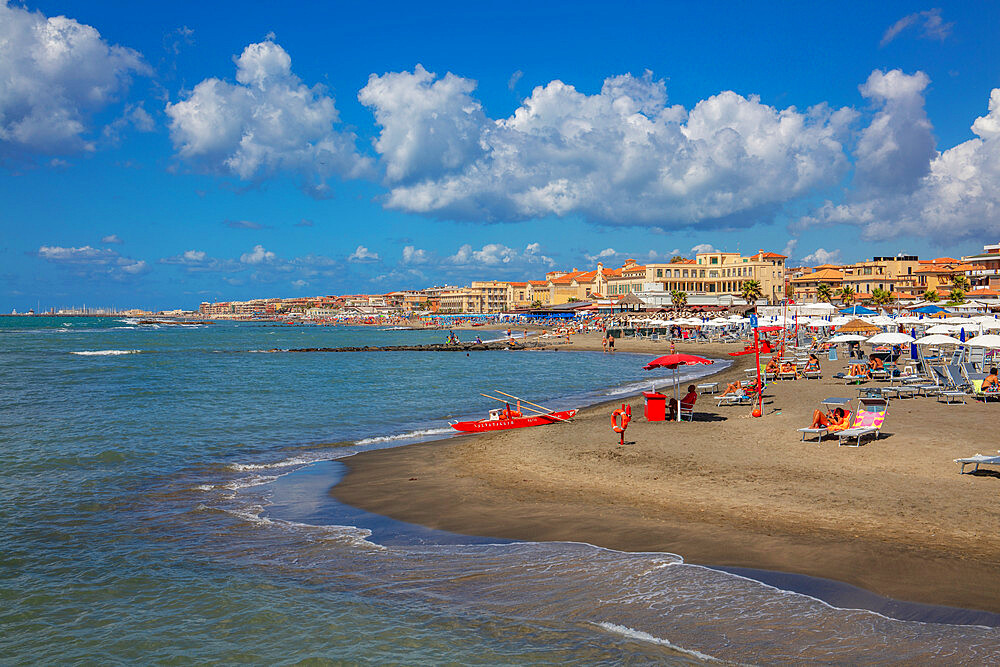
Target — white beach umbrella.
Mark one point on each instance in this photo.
(821, 324)
(878, 320)
(989, 324)
(942, 329)
(818, 308)
(908, 319)
(938, 339)
(847, 338)
(841, 320)
(985, 340)
(891, 338)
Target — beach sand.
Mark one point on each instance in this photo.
(893, 517)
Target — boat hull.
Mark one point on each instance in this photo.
(515, 422)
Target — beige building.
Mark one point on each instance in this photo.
(805, 287)
(715, 273)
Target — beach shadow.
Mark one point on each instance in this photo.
(709, 417)
(982, 472)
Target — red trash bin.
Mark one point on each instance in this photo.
(656, 406)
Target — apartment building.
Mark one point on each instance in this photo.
(806, 286)
(986, 273)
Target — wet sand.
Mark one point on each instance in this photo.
(893, 517)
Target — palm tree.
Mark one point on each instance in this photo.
(751, 291)
(881, 297)
(846, 294)
(960, 282)
(931, 295)
(678, 298)
(956, 296)
(824, 293)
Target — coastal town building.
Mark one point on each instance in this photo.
(985, 274)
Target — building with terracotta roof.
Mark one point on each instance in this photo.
(806, 286)
(987, 271)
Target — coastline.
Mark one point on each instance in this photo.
(892, 517)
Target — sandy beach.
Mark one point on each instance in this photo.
(893, 517)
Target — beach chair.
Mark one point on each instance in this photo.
(822, 430)
(977, 391)
(868, 420)
(813, 375)
(977, 460)
(951, 390)
(742, 398)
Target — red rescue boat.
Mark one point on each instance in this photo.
(503, 419)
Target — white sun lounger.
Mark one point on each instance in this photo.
(977, 460)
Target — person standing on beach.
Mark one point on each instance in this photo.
(604, 344)
(611, 344)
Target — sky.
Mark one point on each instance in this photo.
(158, 155)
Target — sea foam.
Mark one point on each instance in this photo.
(104, 353)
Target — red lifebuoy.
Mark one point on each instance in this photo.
(624, 414)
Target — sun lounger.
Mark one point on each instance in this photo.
(868, 421)
(734, 399)
(708, 388)
(978, 460)
(818, 432)
(977, 392)
(813, 375)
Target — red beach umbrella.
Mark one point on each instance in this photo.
(673, 361)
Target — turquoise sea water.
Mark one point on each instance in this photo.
(165, 499)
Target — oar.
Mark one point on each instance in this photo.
(548, 411)
(523, 401)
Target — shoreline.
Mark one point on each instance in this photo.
(728, 492)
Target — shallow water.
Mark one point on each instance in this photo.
(172, 504)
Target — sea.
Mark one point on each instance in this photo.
(165, 499)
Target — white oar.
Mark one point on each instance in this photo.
(548, 412)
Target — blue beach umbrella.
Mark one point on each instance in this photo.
(961, 334)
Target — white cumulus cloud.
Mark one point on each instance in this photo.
(497, 254)
(257, 256)
(90, 262)
(363, 254)
(267, 122)
(414, 255)
(821, 256)
(895, 150)
(620, 156)
(957, 198)
(55, 73)
(607, 252)
(703, 247)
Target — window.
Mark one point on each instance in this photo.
(701, 274)
(715, 260)
(659, 273)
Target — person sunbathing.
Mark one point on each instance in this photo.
(732, 388)
(875, 363)
(772, 366)
(789, 367)
(813, 363)
(837, 419)
(859, 371)
(991, 383)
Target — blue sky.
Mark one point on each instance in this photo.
(158, 155)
